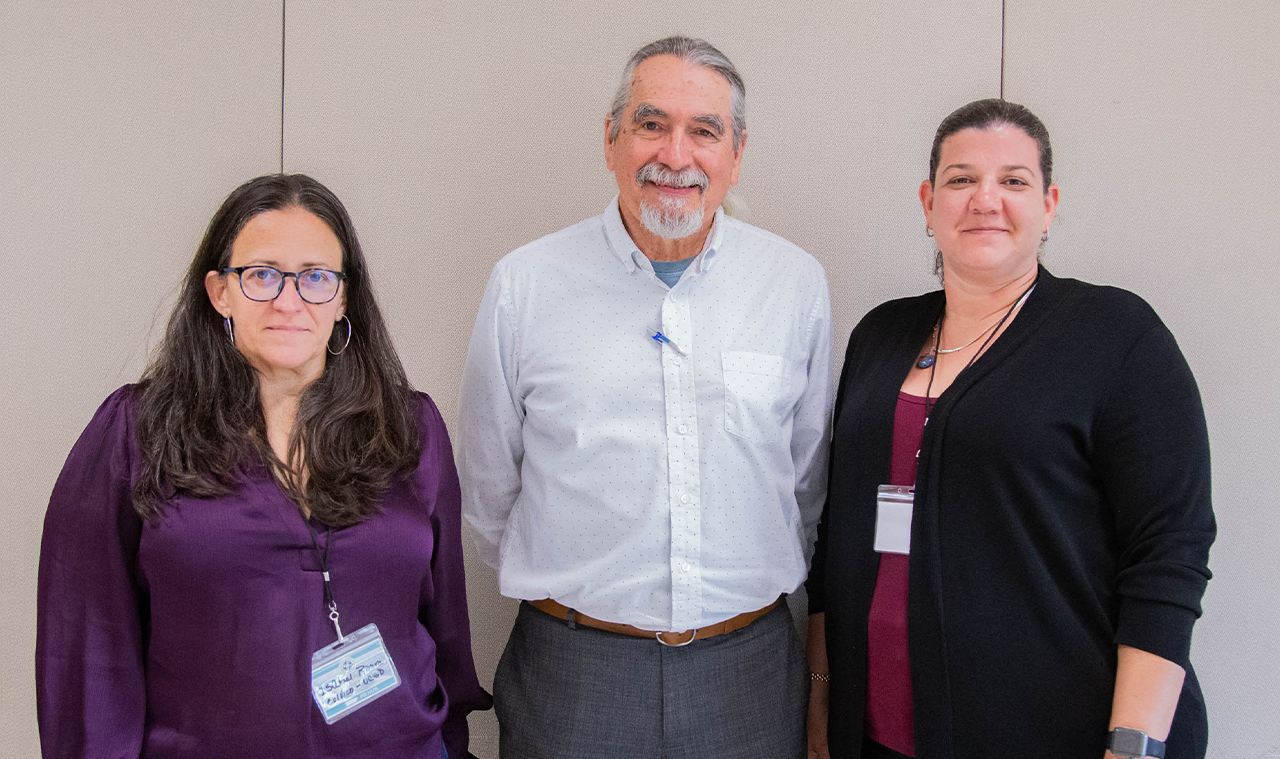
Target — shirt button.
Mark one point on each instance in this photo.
(684, 498)
(684, 429)
(685, 566)
(675, 360)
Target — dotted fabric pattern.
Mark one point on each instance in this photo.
(668, 486)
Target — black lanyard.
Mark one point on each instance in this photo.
(329, 603)
(937, 342)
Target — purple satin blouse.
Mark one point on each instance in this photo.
(192, 637)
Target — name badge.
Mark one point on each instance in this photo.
(893, 518)
(352, 673)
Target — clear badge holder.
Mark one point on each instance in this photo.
(351, 673)
(893, 518)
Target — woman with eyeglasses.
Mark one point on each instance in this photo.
(256, 550)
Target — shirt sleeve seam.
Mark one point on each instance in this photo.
(814, 312)
(506, 307)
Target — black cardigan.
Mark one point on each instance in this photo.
(1062, 507)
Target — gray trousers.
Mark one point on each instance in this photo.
(564, 692)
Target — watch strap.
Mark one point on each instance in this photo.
(1124, 741)
(1155, 748)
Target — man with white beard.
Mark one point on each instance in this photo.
(644, 426)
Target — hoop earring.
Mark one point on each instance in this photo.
(344, 345)
(1045, 237)
(928, 231)
(230, 330)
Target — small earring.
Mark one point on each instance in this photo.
(1045, 237)
(928, 231)
(344, 345)
(229, 329)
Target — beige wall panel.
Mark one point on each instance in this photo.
(1163, 118)
(123, 127)
(455, 133)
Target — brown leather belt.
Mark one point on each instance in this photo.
(560, 611)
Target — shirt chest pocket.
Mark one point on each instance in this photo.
(755, 385)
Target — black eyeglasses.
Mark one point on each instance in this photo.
(265, 283)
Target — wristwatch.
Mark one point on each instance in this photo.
(1128, 743)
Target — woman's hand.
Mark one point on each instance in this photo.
(817, 720)
(819, 691)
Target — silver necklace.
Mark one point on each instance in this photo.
(971, 342)
(931, 357)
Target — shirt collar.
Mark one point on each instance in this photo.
(626, 250)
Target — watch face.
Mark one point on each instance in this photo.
(1128, 743)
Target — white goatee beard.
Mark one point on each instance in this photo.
(669, 220)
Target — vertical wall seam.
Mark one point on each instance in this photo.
(1003, 4)
(283, 9)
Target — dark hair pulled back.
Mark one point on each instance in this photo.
(988, 113)
(200, 418)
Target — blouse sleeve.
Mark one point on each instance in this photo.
(90, 683)
(1152, 455)
(445, 613)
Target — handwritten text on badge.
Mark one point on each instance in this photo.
(346, 676)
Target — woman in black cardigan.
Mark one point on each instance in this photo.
(1037, 596)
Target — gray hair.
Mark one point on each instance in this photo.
(694, 52)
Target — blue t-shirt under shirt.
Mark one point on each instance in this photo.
(671, 271)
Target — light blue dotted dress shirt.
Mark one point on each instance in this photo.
(667, 485)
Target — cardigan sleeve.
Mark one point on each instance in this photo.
(444, 612)
(1152, 456)
(90, 684)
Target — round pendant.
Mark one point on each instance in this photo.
(925, 361)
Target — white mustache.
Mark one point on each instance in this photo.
(659, 174)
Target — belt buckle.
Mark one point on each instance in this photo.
(692, 634)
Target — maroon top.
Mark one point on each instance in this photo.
(191, 637)
(889, 717)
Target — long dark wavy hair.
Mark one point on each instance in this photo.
(200, 418)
